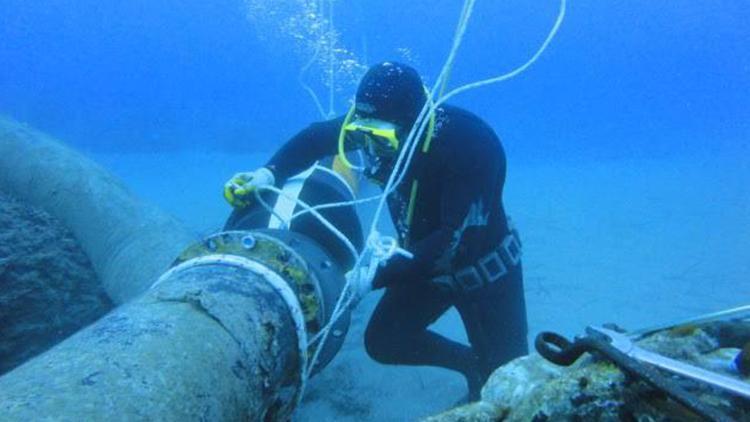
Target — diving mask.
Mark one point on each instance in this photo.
(376, 137)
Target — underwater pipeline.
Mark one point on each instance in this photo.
(216, 329)
(113, 227)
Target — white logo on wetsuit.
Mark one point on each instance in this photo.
(476, 216)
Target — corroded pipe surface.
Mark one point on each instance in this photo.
(211, 342)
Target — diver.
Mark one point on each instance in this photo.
(448, 212)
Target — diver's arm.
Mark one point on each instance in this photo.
(461, 191)
(315, 142)
(400, 269)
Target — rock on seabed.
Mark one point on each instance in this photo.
(592, 389)
(48, 289)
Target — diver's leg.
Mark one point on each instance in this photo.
(495, 321)
(397, 332)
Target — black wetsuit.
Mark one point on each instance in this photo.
(458, 217)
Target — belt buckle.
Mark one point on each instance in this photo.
(445, 283)
(469, 278)
(512, 248)
(493, 267)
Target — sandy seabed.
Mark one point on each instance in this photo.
(635, 242)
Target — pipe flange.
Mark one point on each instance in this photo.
(287, 294)
(277, 256)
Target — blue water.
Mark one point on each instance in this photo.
(621, 78)
(626, 141)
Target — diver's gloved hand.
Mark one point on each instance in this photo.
(239, 191)
(360, 283)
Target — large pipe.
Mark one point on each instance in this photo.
(213, 342)
(220, 336)
(129, 242)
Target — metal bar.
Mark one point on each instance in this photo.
(625, 344)
(737, 312)
(693, 372)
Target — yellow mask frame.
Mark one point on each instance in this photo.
(377, 129)
(374, 129)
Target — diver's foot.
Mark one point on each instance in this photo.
(474, 384)
(466, 399)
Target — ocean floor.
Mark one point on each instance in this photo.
(632, 242)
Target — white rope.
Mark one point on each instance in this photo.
(269, 208)
(317, 215)
(337, 204)
(405, 158)
(417, 131)
(381, 248)
(331, 73)
(515, 72)
(347, 297)
(285, 205)
(307, 88)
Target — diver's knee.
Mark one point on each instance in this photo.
(376, 342)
